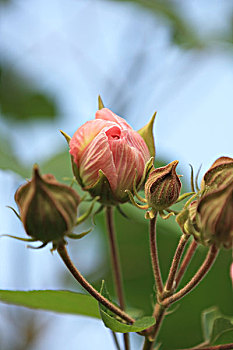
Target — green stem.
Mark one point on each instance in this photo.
(62, 251)
(175, 263)
(187, 258)
(116, 265)
(210, 259)
(154, 255)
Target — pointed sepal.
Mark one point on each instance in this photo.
(100, 102)
(66, 136)
(147, 134)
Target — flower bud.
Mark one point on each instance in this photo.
(215, 216)
(163, 186)
(48, 209)
(108, 156)
(221, 172)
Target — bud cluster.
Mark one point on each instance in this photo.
(210, 217)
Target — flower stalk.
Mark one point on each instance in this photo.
(62, 251)
(154, 255)
(210, 259)
(116, 265)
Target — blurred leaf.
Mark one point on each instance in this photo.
(59, 165)
(53, 300)
(21, 100)
(182, 32)
(215, 324)
(8, 160)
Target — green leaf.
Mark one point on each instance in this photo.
(53, 300)
(215, 324)
(21, 100)
(116, 324)
(9, 161)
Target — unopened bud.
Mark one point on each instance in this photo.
(48, 209)
(163, 186)
(220, 172)
(215, 216)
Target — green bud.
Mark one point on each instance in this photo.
(48, 209)
(221, 172)
(215, 216)
(163, 186)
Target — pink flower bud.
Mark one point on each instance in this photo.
(108, 144)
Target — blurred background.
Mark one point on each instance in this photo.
(56, 56)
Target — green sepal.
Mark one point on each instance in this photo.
(165, 216)
(18, 216)
(184, 195)
(76, 172)
(100, 102)
(102, 188)
(20, 238)
(116, 324)
(66, 136)
(146, 171)
(122, 212)
(147, 134)
(74, 166)
(150, 214)
(133, 201)
(78, 235)
(83, 217)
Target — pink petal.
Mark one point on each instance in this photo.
(84, 135)
(135, 140)
(96, 156)
(106, 114)
(127, 159)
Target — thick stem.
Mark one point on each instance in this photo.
(62, 251)
(214, 347)
(116, 265)
(188, 256)
(154, 255)
(212, 254)
(175, 263)
(159, 314)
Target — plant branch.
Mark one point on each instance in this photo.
(187, 258)
(211, 256)
(175, 263)
(154, 255)
(62, 251)
(214, 347)
(116, 265)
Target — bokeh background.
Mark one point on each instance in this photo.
(56, 56)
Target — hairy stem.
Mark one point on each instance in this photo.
(187, 258)
(175, 263)
(159, 313)
(211, 256)
(62, 251)
(154, 255)
(116, 265)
